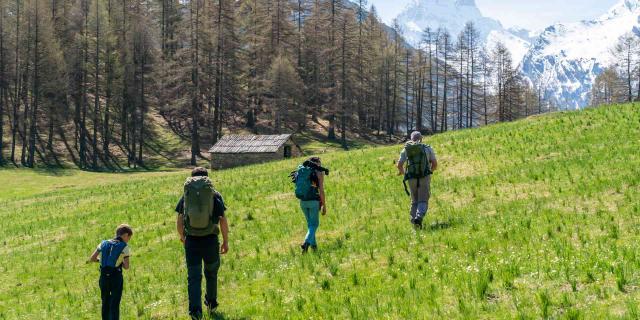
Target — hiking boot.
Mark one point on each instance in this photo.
(196, 315)
(211, 305)
(304, 247)
(417, 223)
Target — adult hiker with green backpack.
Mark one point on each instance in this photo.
(200, 220)
(309, 189)
(417, 162)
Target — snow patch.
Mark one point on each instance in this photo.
(565, 59)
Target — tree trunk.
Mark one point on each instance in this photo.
(106, 130)
(125, 83)
(343, 98)
(143, 103)
(443, 126)
(219, 73)
(195, 100)
(461, 87)
(3, 84)
(433, 112)
(406, 93)
(394, 100)
(16, 85)
(24, 95)
(85, 84)
(96, 93)
(36, 92)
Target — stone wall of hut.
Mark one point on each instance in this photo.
(230, 160)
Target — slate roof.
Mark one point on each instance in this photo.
(235, 143)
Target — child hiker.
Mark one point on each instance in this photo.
(113, 256)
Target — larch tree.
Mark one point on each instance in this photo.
(285, 87)
(625, 52)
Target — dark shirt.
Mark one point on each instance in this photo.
(218, 206)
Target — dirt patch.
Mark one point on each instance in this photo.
(608, 201)
(456, 200)
(521, 191)
(461, 168)
(281, 196)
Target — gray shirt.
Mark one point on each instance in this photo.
(431, 155)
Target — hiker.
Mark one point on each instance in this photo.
(200, 219)
(309, 188)
(417, 162)
(113, 256)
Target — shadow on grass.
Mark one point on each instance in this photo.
(45, 171)
(441, 225)
(70, 171)
(221, 316)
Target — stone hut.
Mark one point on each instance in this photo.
(237, 150)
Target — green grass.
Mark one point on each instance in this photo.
(534, 219)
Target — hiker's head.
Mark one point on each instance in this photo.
(315, 160)
(199, 172)
(125, 232)
(316, 163)
(416, 136)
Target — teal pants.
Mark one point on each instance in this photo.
(311, 210)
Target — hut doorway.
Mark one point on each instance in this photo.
(287, 152)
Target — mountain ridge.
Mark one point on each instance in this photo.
(566, 58)
(563, 60)
(453, 15)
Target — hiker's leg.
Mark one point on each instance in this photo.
(105, 296)
(211, 266)
(313, 222)
(116, 295)
(423, 198)
(304, 205)
(427, 195)
(194, 275)
(413, 190)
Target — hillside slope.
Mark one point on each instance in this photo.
(537, 218)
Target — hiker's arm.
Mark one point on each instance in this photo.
(94, 257)
(180, 227)
(224, 229)
(401, 162)
(323, 199)
(125, 263)
(433, 160)
(400, 168)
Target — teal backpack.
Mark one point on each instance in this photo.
(303, 179)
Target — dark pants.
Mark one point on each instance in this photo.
(199, 251)
(111, 291)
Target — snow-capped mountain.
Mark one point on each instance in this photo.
(453, 15)
(566, 58)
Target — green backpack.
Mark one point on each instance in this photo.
(198, 207)
(418, 165)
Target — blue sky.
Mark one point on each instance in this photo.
(530, 14)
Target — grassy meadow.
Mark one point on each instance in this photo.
(533, 219)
